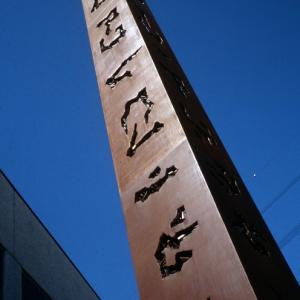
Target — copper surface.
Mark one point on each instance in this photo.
(228, 260)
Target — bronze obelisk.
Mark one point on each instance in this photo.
(193, 228)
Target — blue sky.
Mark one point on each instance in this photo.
(242, 58)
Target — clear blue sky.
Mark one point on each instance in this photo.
(242, 58)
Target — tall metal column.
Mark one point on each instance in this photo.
(193, 228)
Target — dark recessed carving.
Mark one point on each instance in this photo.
(134, 146)
(143, 194)
(180, 217)
(225, 178)
(184, 91)
(122, 33)
(107, 20)
(256, 240)
(276, 295)
(173, 242)
(146, 24)
(143, 97)
(180, 258)
(163, 54)
(115, 79)
(97, 4)
(200, 129)
(155, 173)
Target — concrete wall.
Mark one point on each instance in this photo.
(29, 245)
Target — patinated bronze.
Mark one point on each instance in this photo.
(193, 228)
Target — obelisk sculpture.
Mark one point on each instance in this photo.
(193, 228)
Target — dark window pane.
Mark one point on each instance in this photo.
(31, 290)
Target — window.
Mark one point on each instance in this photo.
(31, 290)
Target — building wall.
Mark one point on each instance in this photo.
(32, 249)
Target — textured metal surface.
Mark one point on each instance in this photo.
(153, 120)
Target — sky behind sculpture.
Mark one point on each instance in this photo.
(241, 58)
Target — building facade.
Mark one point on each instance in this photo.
(32, 264)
